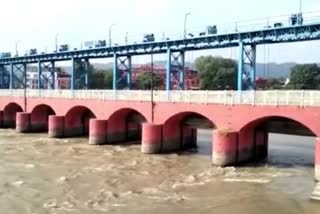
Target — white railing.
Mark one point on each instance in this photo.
(270, 98)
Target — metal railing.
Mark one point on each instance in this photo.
(268, 98)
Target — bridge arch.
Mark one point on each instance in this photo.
(125, 125)
(254, 135)
(40, 117)
(77, 121)
(9, 115)
(180, 130)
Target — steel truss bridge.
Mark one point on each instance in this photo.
(174, 49)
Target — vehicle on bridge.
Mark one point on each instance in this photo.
(5, 55)
(296, 19)
(64, 48)
(100, 44)
(148, 38)
(278, 24)
(211, 30)
(33, 51)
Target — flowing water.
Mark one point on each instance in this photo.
(40, 175)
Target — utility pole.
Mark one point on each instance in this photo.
(152, 86)
(56, 42)
(110, 34)
(185, 25)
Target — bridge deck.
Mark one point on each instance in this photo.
(266, 98)
(295, 33)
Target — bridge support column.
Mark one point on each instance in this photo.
(246, 145)
(261, 144)
(1, 119)
(317, 160)
(246, 67)
(16, 82)
(122, 71)
(56, 126)
(151, 138)
(23, 124)
(98, 132)
(175, 69)
(224, 148)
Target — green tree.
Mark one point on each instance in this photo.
(305, 76)
(144, 81)
(216, 73)
(101, 79)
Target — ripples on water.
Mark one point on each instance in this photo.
(40, 175)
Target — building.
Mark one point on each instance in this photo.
(61, 79)
(192, 79)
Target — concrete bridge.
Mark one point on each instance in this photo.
(168, 121)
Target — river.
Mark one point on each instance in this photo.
(39, 175)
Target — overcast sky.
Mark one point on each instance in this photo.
(35, 23)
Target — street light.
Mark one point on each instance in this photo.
(152, 86)
(56, 42)
(126, 39)
(185, 24)
(17, 42)
(110, 31)
(300, 6)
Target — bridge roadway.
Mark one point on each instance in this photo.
(166, 122)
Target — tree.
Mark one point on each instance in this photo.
(144, 81)
(216, 73)
(305, 76)
(101, 79)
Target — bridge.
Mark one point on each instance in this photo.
(240, 122)
(165, 121)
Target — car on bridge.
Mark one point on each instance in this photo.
(33, 51)
(211, 30)
(296, 19)
(63, 48)
(5, 55)
(148, 38)
(100, 44)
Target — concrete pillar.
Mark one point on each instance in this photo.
(317, 160)
(246, 145)
(98, 132)
(1, 119)
(116, 130)
(224, 148)
(261, 141)
(171, 138)
(23, 122)
(56, 126)
(151, 138)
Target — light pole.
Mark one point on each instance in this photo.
(126, 39)
(152, 86)
(185, 25)
(110, 31)
(56, 42)
(300, 6)
(17, 42)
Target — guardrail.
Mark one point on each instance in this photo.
(270, 98)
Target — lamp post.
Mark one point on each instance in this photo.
(126, 39)
(56, 41)
(152, 86)
(185, 25)
(17, 42)
(110, 32)
(300, 6)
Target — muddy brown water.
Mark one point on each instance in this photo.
(40, 175)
